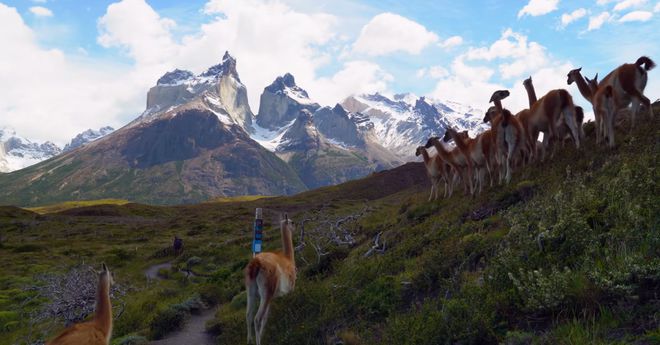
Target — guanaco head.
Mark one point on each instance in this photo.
(573, 75)
(286, 221)
(431, 141)
(419, 150)
(463, 135)
(593, 83)
(490, 114)
(527, 82)
(499, 95)
(105, 275)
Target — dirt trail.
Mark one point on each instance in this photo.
(194, 331)
(152, 271)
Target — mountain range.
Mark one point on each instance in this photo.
(17, 152)
(198, 139)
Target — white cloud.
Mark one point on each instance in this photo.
(595, 22)
(510, 59)
(41, 11)
(524, 56)
(61, 95)
(73, 92)
(134, 26)
(538, 7)
(636, 16)
(434, 72)
(568, 18)
(451, 42)
(626, 4)
(356, 77)
(657, 7)
(388, 32)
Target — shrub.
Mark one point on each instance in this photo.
(169, 320)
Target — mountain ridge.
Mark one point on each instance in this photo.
(193, 125)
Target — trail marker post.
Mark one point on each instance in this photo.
(258, 232)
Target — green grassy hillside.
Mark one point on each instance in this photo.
(568, 253)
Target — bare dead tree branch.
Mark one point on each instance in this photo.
(323, 231)
(71, 296)
(376, 247)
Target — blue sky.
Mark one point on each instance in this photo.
(81, 64)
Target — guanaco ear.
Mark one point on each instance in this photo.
(104, 268)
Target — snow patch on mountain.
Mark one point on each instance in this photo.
(87, 137)
(404, 121)
(270, 139)
(17, 152)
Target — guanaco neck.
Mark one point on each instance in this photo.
(442, 151)
(460, 143)
(531, 93)
(287, 241)
(103, 313)
(498, 105)
(425, 155)
(584, 88)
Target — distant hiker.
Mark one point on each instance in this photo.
(177, 245)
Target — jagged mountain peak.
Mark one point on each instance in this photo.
(175, 77)
(226, 67)
(423, 105)
(18, 152)
(339, 109)
(219, 84)
(284, 82)
(87, 137)
(281, 101)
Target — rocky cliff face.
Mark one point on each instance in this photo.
(338, 124)
(220, 81)
(281, 102)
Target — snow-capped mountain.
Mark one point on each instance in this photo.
(87, 137)
(404, 121)
(17, 152)
(198, 139)
(323, 144)
(281, 102)
(219, 86)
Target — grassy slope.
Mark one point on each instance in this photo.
(54, 208)
(567, 253)
(87, 175)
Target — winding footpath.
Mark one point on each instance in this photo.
(194, 331)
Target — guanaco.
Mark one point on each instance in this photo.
(269, 275)
(99, 330)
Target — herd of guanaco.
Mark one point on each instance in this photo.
(512, 140)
